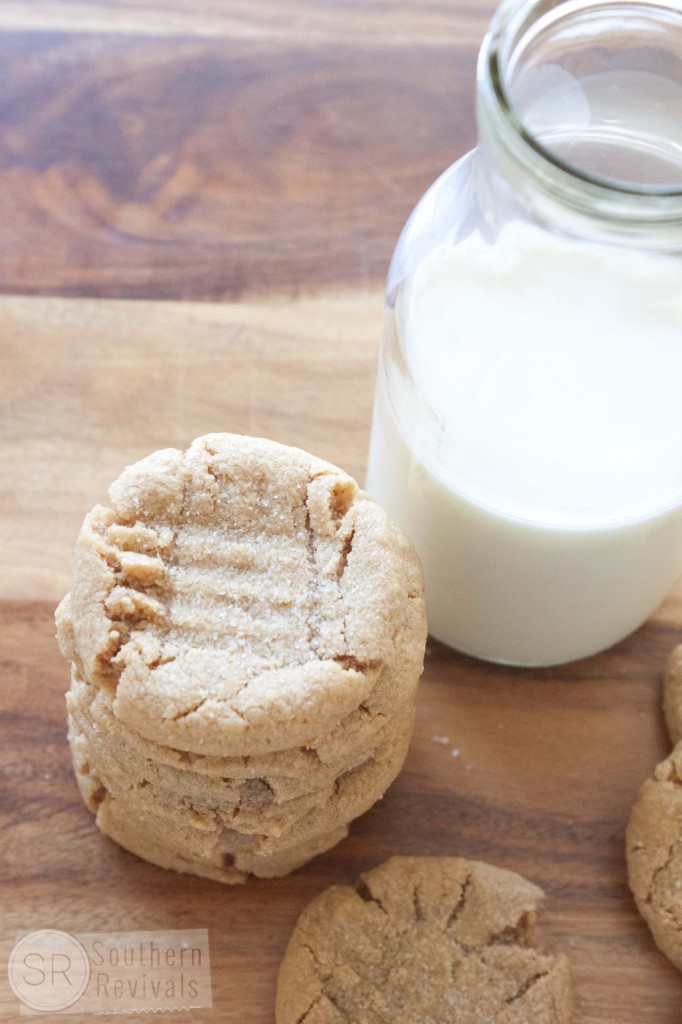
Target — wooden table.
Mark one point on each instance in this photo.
(198, 203)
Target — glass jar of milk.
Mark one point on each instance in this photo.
(527, 430)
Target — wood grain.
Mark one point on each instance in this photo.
(303, 22)
(190, 168)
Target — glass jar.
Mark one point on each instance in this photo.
(527, 431)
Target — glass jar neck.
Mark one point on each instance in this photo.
(579, 107)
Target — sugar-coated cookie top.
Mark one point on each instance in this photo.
(423, 940)
(241, 596)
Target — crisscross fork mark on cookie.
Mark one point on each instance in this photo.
(239, 597)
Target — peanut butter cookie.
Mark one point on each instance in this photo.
(654, 855)
(239, 597)
(267, 826)
(672, 694)
(423, 939)
(266, 804)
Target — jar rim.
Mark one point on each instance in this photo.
(510, 24)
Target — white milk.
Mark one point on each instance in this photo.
(537, 462)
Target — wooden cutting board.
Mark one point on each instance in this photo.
(531, 770)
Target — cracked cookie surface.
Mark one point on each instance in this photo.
(423, 939)
(219, 816)
(286, 774)
(654, 855)
(231, 868)
(240, 598)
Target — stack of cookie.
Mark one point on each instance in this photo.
(246, 631)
